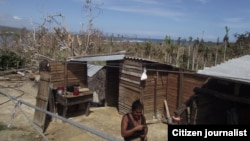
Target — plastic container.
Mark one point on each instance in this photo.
(76, 91)
(60, 90)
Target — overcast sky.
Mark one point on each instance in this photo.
(138, 18)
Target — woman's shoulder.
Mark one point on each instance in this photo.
(126, 115)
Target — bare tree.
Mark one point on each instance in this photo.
(91, 11)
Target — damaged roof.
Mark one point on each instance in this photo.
(235, 69)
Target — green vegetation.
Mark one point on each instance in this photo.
(4, 127)
(10, 60)
(28, 136)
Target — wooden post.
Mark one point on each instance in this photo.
(65, 75)
(180, 91)
(155, 93)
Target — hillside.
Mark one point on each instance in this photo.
(9, 29)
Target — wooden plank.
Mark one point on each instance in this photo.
(44, 76)
(132, 68)
(41, 102)
(180, 89)
(131, 73)
(133, 63)
(167, 110)
(131, 81)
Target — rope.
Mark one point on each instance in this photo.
(18, 106)
(14, 113)
(34, 126)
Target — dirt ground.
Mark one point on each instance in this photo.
(105, 120)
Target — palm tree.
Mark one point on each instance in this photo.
(226, 39)
(189, 45)
(195, 52)
(177, 52)
(167, 41)
(216, 51)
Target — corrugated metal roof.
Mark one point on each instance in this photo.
(93, 69)
(234, 69)
(100, 58)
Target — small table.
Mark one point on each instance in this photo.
(69, 99)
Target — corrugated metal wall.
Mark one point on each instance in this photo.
(172, 91)
(180, 88)
(130, 87)
(164, 82)
(152, 91)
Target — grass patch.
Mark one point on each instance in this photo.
(5, 127)
(19, 134)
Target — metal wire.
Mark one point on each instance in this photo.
(93, 131)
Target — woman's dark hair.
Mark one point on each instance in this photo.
(137, 105)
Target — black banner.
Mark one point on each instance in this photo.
(208, 132)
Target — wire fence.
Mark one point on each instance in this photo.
(18, 103)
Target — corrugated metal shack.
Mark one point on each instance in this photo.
(164, 82)
(222, 101)
(224, 98)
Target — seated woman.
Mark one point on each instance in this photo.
(133, 125)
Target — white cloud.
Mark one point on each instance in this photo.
(17, 18)
(147, 11)
(202, 1)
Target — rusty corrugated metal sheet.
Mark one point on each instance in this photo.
(152, 91)
(164, 82)
(191, 81)
(172, 91)
(130, 85)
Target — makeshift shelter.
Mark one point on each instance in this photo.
(124, 83)
(224, 98)
(63, 89)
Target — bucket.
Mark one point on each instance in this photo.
(60, 90)
(76, 91)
